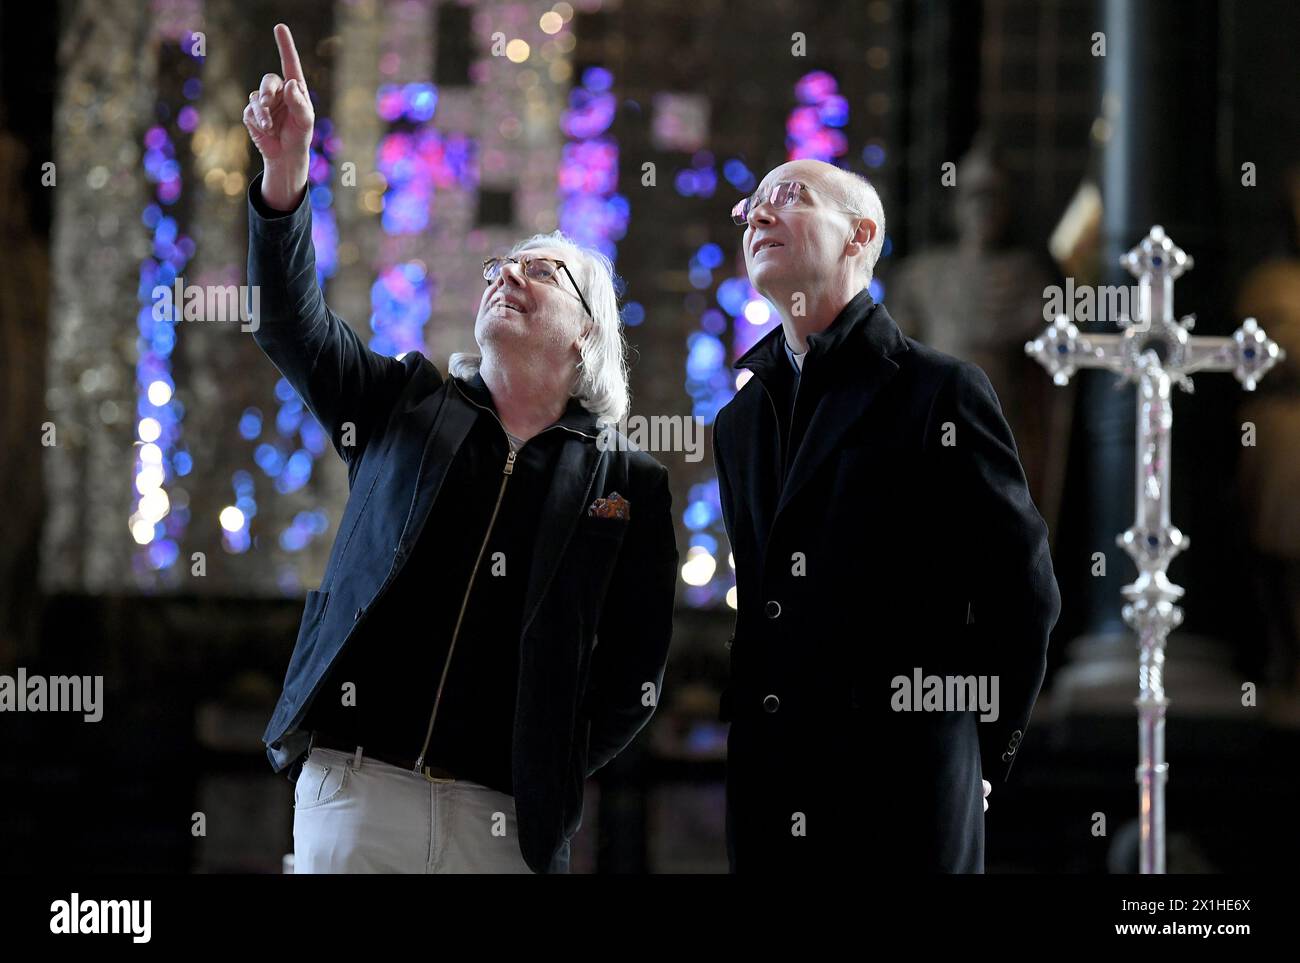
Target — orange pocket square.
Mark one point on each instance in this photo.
(615, 506)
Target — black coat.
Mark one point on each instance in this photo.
(903, 539)
(598, 611)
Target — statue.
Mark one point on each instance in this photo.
(1270, 469)
(979, 300)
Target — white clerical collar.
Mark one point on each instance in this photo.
(795, 359)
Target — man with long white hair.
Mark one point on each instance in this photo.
(494, 619)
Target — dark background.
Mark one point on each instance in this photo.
(191, 677)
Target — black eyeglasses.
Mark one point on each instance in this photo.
(780, 195)
(544, 269)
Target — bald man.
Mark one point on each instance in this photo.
(894, 586)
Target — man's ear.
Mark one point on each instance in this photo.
(863, 234)
(577, 342)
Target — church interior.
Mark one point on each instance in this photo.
(169, 501)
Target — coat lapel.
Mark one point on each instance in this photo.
(450, 427)
(846, 367)
(567, 498)
(839, 407)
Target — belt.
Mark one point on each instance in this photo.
(323, 740)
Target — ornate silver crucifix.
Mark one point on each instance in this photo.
(1155, 351)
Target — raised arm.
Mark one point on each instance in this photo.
(280, 118)
(346, 386)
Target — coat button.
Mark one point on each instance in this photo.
(772, 609)
(771, 703)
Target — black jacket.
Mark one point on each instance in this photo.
(599, 607)
(474, 551)
(903, 539)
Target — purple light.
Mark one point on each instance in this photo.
(406, 212)
(589, 114)
(594, 221)
(811, 127)
(705, 354)
(738, 175)
(802, 122)
(713, 321)
(597, 78)
(590, 167)
(834, 111)
(823, 145)
(313, 436)
(157, 524)
(420, 101)
(709, 256)
(163, 553)
(815, 87)
(706, 182)
(318, 168)
(732, 295)
(400, 309)
(388, 102)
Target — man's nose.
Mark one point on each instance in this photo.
(761, 215)
(512, 273)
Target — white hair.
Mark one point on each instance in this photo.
(600, 380)
(863, 200)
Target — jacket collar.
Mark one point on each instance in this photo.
(859, 347)
(575, 416)
(862, 327)
(578, 471)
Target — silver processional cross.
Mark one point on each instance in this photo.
(1154, 351)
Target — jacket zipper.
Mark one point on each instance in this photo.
(507, 470)
(437, 699)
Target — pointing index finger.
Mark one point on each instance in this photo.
(290, 67)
